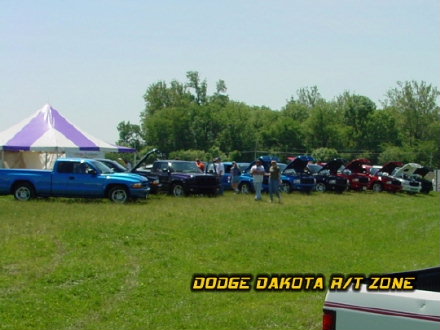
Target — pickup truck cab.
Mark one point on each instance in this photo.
(73, 177)
(387, 310)
(226, 179)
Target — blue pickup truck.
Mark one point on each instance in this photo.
(73, 177)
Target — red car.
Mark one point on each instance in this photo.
(380, 178)
(357, 175)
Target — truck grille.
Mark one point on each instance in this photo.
(205, 180)
(414, 184)
(307, 180)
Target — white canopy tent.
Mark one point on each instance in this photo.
(37, 141)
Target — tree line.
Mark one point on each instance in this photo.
(182, 120)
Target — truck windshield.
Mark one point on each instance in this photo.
(185, 167)
(101, 167)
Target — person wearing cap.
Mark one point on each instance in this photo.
(274, 180)
(235, 176)
(219, 171)
(257, 172)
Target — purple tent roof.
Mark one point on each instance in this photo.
(47, 130)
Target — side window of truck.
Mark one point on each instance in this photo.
(65, 167)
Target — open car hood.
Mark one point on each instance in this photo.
(414, 168)
(355, 166)
(390, 166)
(299, 163)
(332, 165)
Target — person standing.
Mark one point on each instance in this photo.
(220, 171)
(257, 172)
(274, 180)
(200, 165)
(235, 176)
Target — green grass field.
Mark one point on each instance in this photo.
(75, 264)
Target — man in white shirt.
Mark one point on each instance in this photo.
(220, 171)
(257, 172)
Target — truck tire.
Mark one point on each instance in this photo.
(177, 190)
(245, 188)
(377, 187)
(320, 187)
(118, 194)
(24, 191)
(285, 187)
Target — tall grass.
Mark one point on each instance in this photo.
(75, 264)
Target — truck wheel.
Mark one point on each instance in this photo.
(24, 191)
(245, 188)
(320, 187)
(285, 187)
(118, 194)
(177, 190)
(377, 187)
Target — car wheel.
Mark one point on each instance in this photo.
(285, 187)
(245, 188)
(24, 191)
(118, 194)
(320, 187)
(377, 187)
(177, 190)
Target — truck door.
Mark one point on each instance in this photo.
(161, 169)
(74, 179)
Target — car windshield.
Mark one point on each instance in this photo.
(101, 167)
(314, 168)
(185, 167)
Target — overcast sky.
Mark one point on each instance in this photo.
(93, 60)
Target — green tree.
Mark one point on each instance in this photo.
(130, 135)
(415, 104)
(325, 154)
(356, 110)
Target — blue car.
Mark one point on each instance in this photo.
(246, 180)
(298, 179)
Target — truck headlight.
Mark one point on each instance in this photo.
(137, 185)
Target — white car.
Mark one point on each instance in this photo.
(404, 175)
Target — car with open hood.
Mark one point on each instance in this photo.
(298, 178)
(140, 168)
(405, 175)
(356, 174)
(327, 177)
(424, 175)
(381, 180)
(180, 178)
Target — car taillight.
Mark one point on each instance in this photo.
(329, 320)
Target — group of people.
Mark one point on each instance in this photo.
(258, 172)
(274, 174)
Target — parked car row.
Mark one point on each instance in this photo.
(107, 178)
